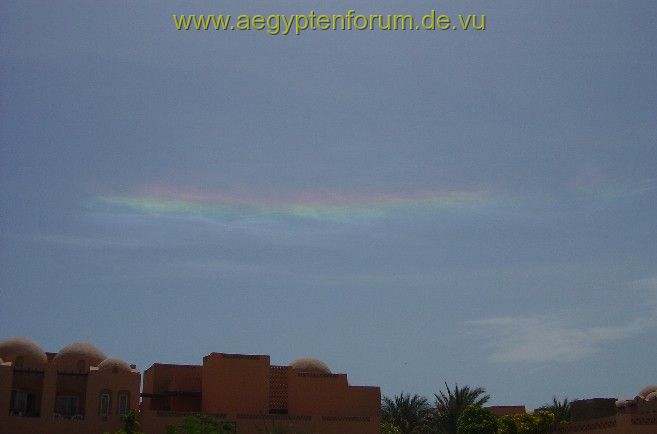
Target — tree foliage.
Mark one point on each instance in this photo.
(560, 409)
(389, 428)
(130, 424)
(541, 422)
(201, 424)
(476, 420)
(506, 425)
(406, 412)
(450, 405)
(545, 421)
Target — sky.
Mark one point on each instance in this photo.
(412, 208)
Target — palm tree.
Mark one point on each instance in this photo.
(448, 407)
(560, 409)
(406, 412)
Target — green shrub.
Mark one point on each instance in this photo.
(476, 420)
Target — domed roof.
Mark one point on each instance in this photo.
(69, 356)
(651, 396)
(112, 364)
(30, 352)
(647, 390)
(310, 365)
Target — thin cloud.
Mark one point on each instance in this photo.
(86, 242)
(546, 339)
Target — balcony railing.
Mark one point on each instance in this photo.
(76, 416)
(23, 413)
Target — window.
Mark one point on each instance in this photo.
(18, 363)
(19, 402)
(82, 366)
(23, 403)
(67, 405)
(124, 403)
(105, 403)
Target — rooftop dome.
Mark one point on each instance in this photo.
(652, 396)
(310, 365)
(71, 356)
(113, 364)
(621, 403)
(647, 390)
(26, 351)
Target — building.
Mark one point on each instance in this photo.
(304, 397)
(611, 416)
(78, 390)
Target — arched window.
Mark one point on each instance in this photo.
(124, 402)
(105, 403)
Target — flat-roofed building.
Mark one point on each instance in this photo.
(246, 390)
(637, 415)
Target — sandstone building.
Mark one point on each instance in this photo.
(79, 390)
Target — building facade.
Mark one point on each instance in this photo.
(257, 397)
(78, 390)
(637, 415)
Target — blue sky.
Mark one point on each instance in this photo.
(410, 207)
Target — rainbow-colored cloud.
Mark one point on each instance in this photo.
(316, 205)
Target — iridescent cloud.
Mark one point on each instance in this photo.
(315, 205)
(327, 205)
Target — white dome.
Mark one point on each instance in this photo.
(621, 403)
(310, 365)
(114, 364)
(647, 390)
